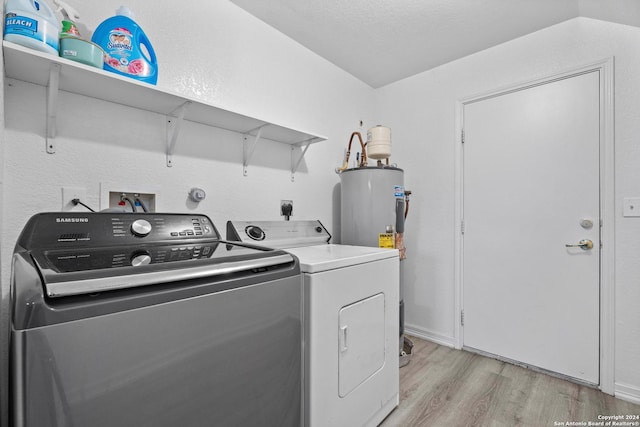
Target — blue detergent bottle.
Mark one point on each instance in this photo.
(128, 51)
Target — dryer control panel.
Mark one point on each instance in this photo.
(278, 234)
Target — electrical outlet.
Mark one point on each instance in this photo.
(70, 193)
(286, 208)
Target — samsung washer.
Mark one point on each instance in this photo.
(127, 319)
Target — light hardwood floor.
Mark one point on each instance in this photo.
(446, 387)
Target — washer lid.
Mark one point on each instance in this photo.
(91, 270)
(314, 259)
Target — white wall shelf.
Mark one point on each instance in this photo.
(60, 74)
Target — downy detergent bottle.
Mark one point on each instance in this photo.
(128, 51)
(31, 23)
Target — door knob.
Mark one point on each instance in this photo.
(584, 244)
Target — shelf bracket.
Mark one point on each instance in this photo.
(52, 107)
(174, 123)
(249, 147)
(304, 145)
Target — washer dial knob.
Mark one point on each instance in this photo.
(141, 227)
(140, 258)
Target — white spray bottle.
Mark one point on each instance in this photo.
(70, 15)
(72, 45)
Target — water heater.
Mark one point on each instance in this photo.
(372, 198)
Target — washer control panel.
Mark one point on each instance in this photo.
(83, 259)
(73, 229)
(161, 227)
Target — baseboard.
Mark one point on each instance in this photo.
(429, 336)
(627, 392)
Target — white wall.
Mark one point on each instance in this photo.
(421, 110)
(212, 51)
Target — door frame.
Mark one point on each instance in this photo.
(605, 68)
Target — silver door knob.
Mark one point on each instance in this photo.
(584, 244)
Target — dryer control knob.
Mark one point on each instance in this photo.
(255, 232)
(141, 227)
(140, 259)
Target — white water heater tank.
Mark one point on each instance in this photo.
(379, 143)
(368, 203)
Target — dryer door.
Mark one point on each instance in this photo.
(361, 337)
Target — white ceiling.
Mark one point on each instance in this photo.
(382, 41)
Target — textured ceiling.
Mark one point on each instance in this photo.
(382, 41)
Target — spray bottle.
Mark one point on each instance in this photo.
(69, 27)
(72, 45)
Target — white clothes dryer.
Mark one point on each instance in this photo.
(351, 297)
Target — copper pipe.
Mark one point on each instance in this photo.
(363, 158)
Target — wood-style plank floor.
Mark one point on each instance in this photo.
(446, 387)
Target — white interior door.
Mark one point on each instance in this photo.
(531, 186)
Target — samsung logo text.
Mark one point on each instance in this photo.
(72, 219)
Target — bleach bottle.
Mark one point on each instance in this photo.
(128, 51)
(31, 23)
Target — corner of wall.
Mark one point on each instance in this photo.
(627, 392)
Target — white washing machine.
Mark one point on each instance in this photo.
(351, 320)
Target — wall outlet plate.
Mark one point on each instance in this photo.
(132, 201)
(286, 208)
(111, 193)
(70, 193)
